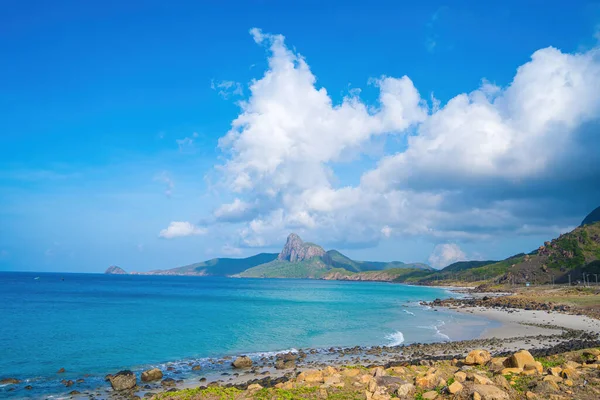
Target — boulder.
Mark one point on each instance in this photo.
(282, 364)
(481, 380)
(568, 373)
(519, 359)
(431, 395)
(310, 376)
(9, 381)
(555, 371)
(123, 380)
(255, 387)
(168, 382)
(537, 366)
(390, 383)
(478, 357)
(456, 387)
(61, 371)
(489, 392)
(242, 362)
(428, 381)
(150, 375)
(546, 386)
(405, 390)
(460, 376)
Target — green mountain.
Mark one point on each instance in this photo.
(572, 253)
(219, 266)
(338, 260)
(300, 259)
(592, 217)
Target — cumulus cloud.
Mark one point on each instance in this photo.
(488, 162)
(446, 254)
(181, 229)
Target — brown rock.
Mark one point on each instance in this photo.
(568, 373)
(530, 396)
(476, 396)
(478, 357)
(428, 381)
(552, 378)
(460, 376)
(519, 359)
(150, 375)
(168, 382)
(431, 395)
(572, 364)
(510, 371)
(456, 387)
(536, 366)
(242, 362)
(481, 380)
(196, 368)
(9, 381)
(123, 380)
(489, 392)
(310, 376)
(555, 371)
(61, 371)
(405, 389)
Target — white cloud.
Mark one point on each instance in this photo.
(236, 211)
(186, 145)
(446, 254)
(181, 229)
(226, 89)
(472, 168)
(164, 177)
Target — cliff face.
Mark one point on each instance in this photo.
(114, 270)
(296, 250)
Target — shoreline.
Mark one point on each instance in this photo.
(541, 332)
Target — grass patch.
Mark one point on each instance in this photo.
(550, 362)
(213, 392)
(303, 392)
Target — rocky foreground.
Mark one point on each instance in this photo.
(478, 376)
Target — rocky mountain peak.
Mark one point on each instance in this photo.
(296, 250)
(114, 270)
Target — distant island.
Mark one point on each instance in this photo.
(570, 257)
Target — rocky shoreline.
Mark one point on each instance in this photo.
(263, 376)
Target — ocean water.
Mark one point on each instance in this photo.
(93, 324)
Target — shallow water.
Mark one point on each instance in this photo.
(97, 324)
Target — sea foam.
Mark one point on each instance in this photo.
(396, 338)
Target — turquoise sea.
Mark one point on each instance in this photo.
(93, 324)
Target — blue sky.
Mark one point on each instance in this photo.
(118, 140)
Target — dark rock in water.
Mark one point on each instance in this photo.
(9, 381)
(150, 375)
(123, 380)
(79, 380)
(74, 392)
(170, 369)
(68, 383)
(149, 394)
(437, 302)
(202, 379)
(114, 270)
(107, 378)
(242, 362)
(168, 382)
(61, 371)
(196, 368)
(28, 387)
